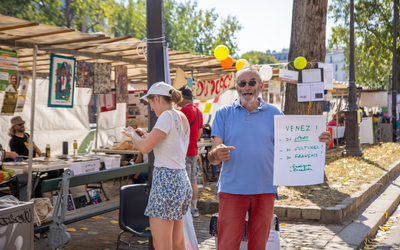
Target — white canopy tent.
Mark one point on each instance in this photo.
(52, 126)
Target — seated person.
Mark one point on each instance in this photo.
(375, 121)
(206, 131)
(20, 144)
(7, 156)
(341, 119)
(333, 121)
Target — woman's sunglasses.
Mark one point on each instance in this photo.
(243, 83)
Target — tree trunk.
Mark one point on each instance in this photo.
(308, 40)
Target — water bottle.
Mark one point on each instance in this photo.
(47, 150)
(75, 147)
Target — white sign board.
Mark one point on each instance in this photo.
(299, 156)
(289, 76)
(90, 166)
(113, 161)
(85, 167)
(328, 74)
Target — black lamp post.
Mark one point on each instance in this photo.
(353, 147)
(155, 63)
(394, 71)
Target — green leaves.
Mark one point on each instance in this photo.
(259, 57)
(373, 38)
(186, 27)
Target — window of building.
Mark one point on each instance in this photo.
(330, 60)
(336, 67)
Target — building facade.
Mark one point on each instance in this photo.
(336, 58)
(281, 55)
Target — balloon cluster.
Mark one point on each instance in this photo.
(221, 52)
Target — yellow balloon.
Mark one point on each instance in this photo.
(240, 64)
(221, 52)
(300, 63)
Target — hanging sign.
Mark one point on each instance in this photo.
(8, 70)
(289, 76)
(299, 156)
(9, 103)
(204, 90)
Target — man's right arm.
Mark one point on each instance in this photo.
(217, 141)
(219, 152)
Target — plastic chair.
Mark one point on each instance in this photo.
(133, 202)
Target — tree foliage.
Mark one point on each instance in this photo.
(373, 35)
(186, 27)
(83, 15)
(258, 57)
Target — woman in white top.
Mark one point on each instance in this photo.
(171, 192)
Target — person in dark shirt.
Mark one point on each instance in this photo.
(20, 140)
(20, 144)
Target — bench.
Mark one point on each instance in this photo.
(56, 229)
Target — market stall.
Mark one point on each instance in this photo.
(94, 62)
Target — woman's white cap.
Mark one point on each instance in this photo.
(158, 88)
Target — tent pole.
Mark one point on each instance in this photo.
(337, 110)
(29, 191)
(97, 120)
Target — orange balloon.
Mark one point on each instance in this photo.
(227, 63)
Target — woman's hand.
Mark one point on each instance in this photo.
(129, 131)
(141, 133)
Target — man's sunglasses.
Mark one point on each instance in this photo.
(20, 124)
(242, 83)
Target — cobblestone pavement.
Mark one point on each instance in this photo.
(102, 233)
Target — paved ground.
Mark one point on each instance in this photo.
(102, 233)
(388, 237)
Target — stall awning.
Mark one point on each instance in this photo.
(21, 35)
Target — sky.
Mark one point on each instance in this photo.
(266, 23)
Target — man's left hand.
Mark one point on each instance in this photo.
(326, 138)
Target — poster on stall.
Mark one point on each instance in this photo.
(84, 74)
(102, 78)
(9, 103)
(20, 103)
(121, 84)
(136, 108)
(62, 79)
(23, 86)
(22, 90)
(299, 156)
(107, 102)
(8, 70)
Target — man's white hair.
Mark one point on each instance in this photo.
(248, 67)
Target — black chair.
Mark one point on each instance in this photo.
(133, 202)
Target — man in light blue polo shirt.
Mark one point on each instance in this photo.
(243, 135)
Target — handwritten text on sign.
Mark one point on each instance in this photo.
(85, 167)
(299, 156)
(210, 89)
